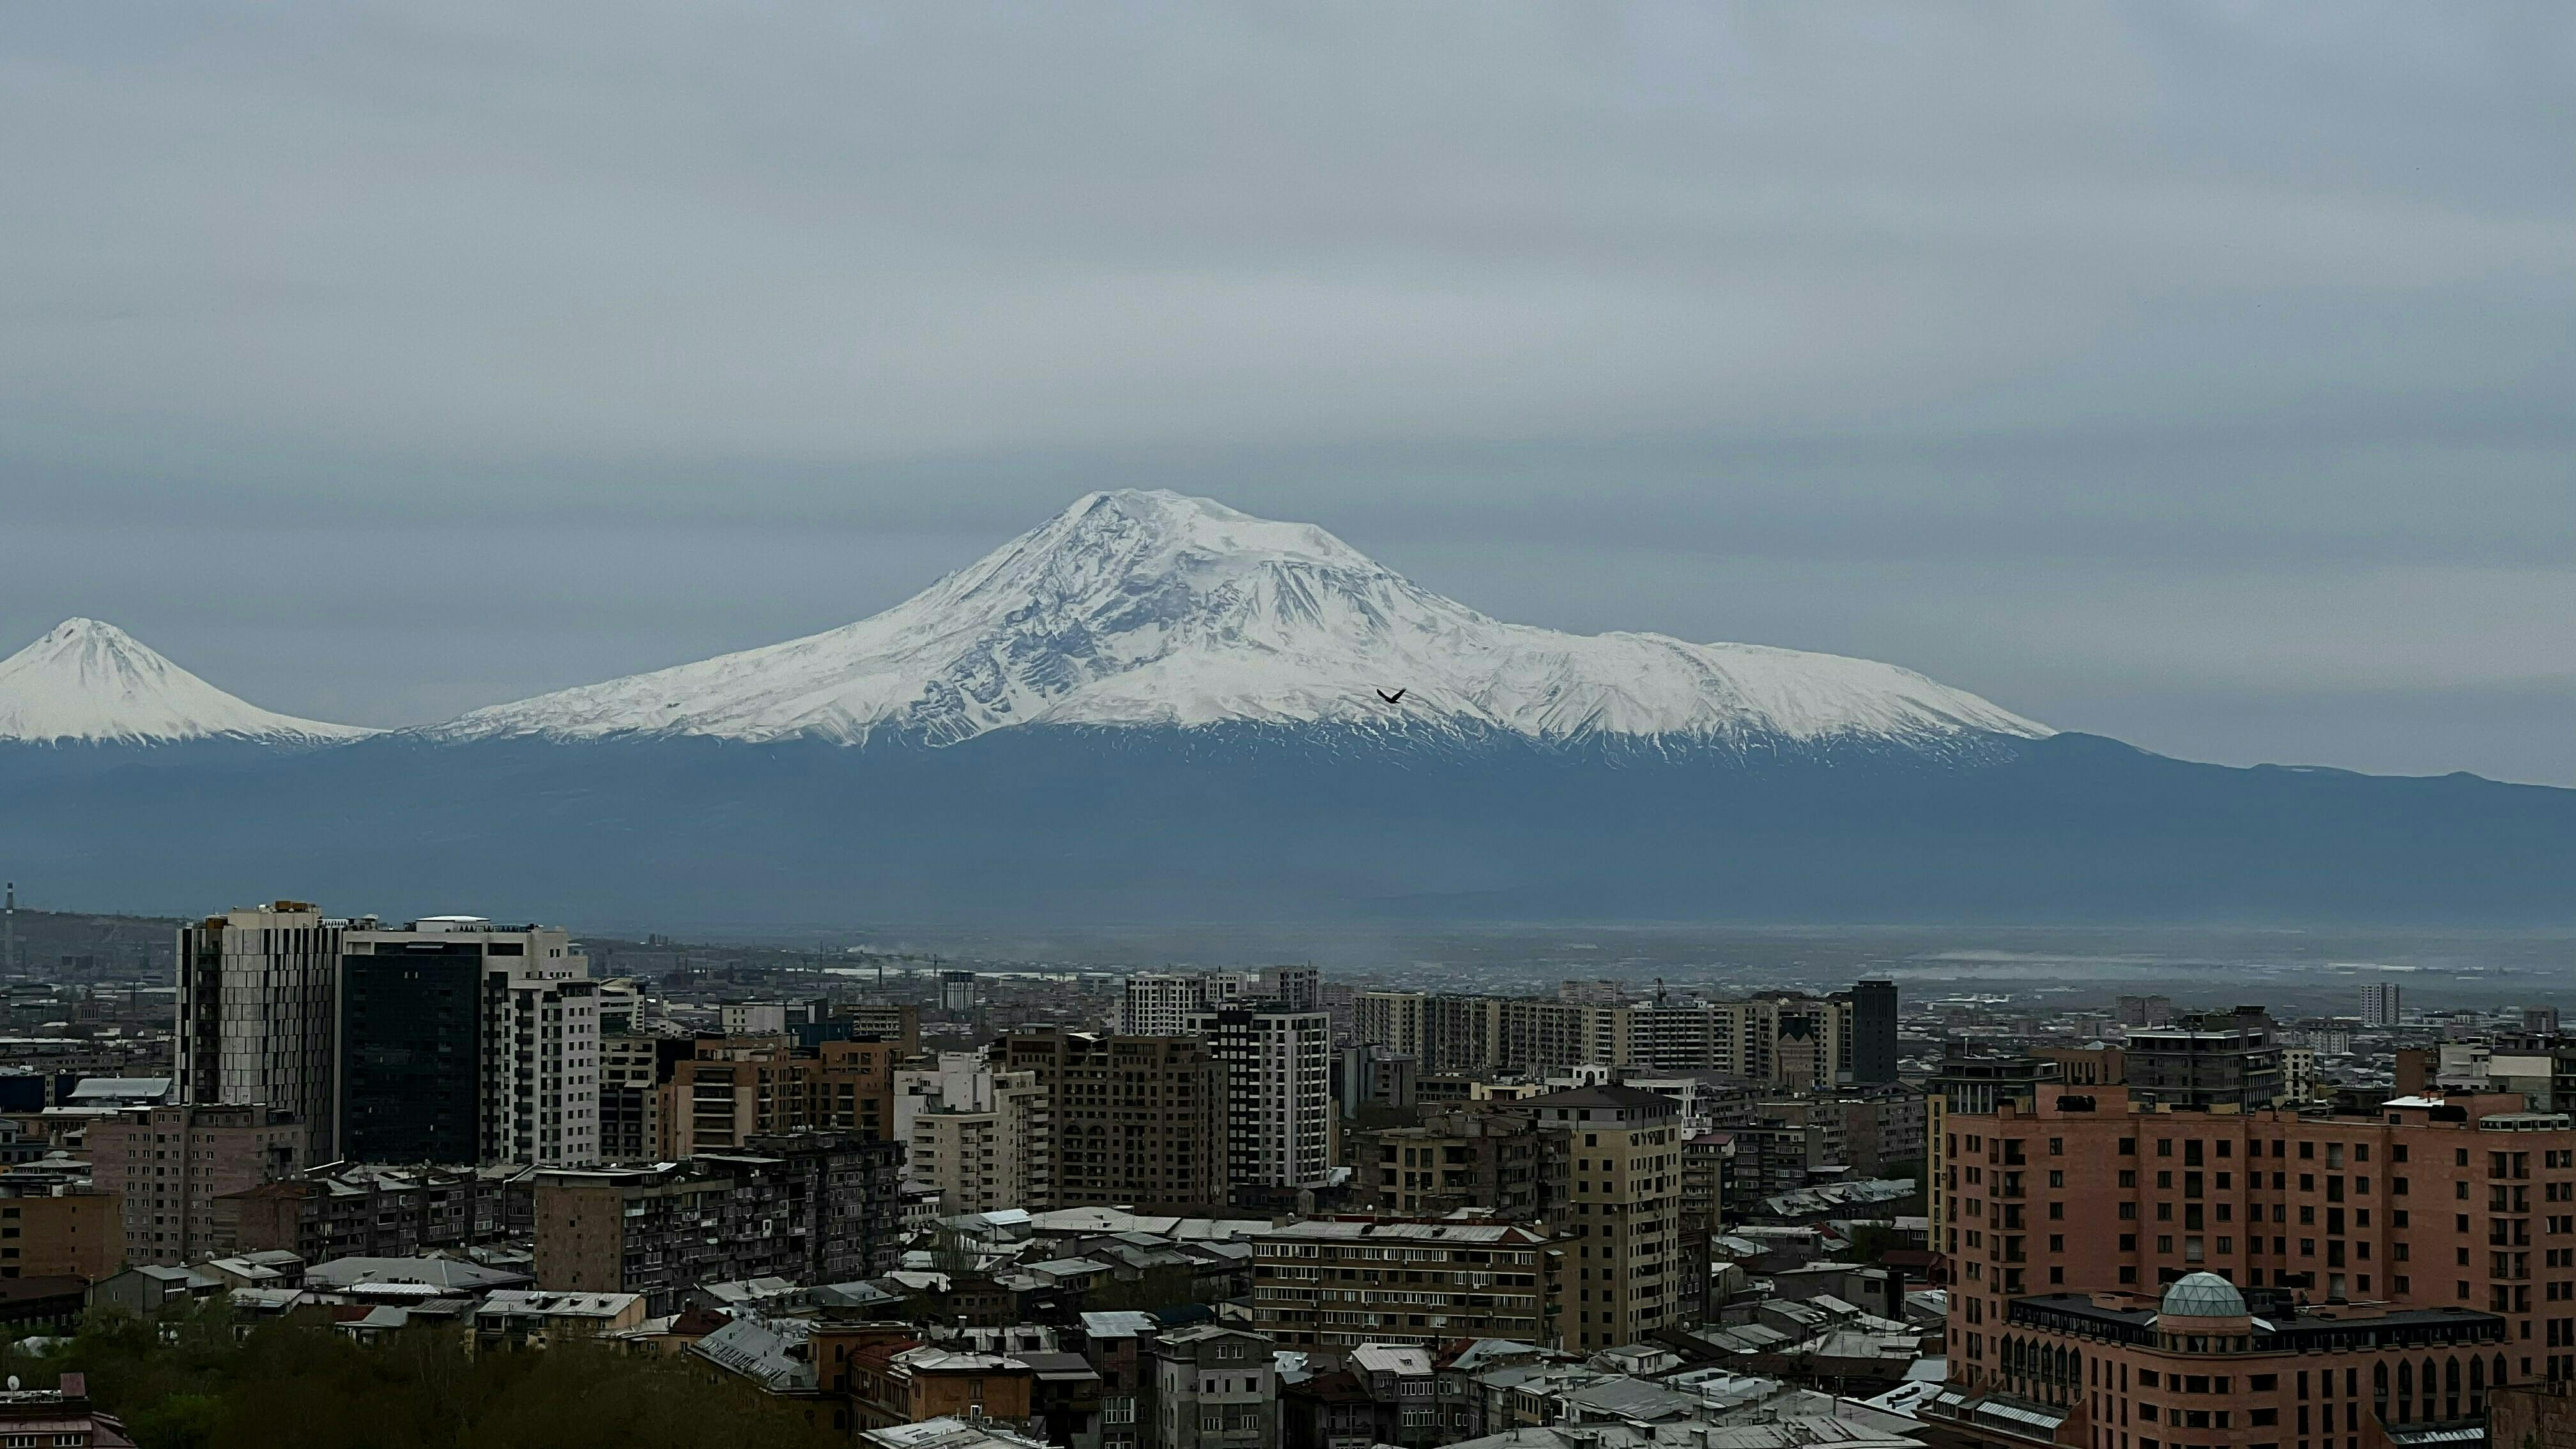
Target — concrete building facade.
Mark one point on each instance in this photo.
(1278, 1085)
(1337, 1283)
(1494, 1159)
(462, 1043)
(730, 1090)
(169, 1165)
(1625, 1264)
(258, 1019)
(1134, 1120)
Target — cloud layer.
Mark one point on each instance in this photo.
(2197, 375)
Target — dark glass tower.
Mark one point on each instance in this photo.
(410, 1053)
(1873, 1031)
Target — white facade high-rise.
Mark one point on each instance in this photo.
(258, 1015)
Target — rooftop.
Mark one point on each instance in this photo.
(2133, 1318)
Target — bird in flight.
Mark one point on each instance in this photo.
(1395, 698)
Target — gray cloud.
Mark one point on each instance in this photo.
(2200, 375)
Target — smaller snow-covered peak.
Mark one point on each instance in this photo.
(90, 682)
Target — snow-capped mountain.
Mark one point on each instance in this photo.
(91, 683)
(1154, 609)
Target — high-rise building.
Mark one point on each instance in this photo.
(729, 1091)
(1278, 1088)
(2379, 1003)
(2540, 1020)
(957, 992)
(1292, 988)
(881, 1021)
(464, 1043)
(775, 1018)
(2143, 1010)
(2212, 1059)
(1624, 1266)
(1373, 1076)
(258, 1015)
(170, 1164)
(1971, 1081)
(633, 1070)
(988, 1158)
(1134, 1120)
(1872, 1055)
(2417, 1206)
(1705, 1160)
(1780, 1040)
(1496, 1159)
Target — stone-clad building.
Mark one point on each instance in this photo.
(2424, 1203)
(1133, 1120)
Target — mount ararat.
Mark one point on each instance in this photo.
(1152, 707)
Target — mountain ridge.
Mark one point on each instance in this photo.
(1152, 608)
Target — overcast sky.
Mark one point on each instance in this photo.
(2200, 376)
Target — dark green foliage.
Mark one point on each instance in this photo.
(202, 1381)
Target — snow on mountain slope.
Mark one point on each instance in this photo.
(93, 683)
(1150, 608)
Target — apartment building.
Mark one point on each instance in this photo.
(1625, 1264)
(878, 1021)
(633, 1070)
(168, 1167)
(1780, 1040)
(1490, 1158)
(1336, 1283)
(461, 1043)
(1278, 1070)
(2381, 1004)
(1972, 1082)
(1214, 1388)
(808, 1207)
(1706, 1158)
(989, 1159)
(1159, 1003)
(730, 1090)
(258, 1018)
(1135, 1120)
(2206, 1061)
(2424, 1203)
(1869, 1051)
(372, 1212)
(59, 1230)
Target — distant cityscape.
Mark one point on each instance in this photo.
(951, 1208)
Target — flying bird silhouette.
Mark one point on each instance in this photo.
(1394, 698)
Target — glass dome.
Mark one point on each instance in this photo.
(2203, 1295)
